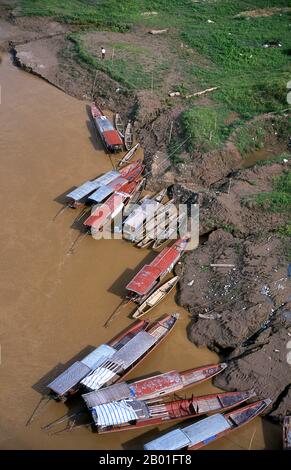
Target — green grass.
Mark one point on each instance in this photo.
(284, 230)
(251, 79)
(279, 199)
(278, 159)
(205, 127)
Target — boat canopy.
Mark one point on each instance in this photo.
(112, 137)
(135, 220)
(96, 357)
(206, 429)
(102, 375)
(105, 395)
(120, 361)
(144, 280)
(69, 378)
(90, 186)
(80, 369)
(173, 440)
(202, 431)
(114, 413)
(104, 191)
(166, 259)
(104, 123)
(134, 349)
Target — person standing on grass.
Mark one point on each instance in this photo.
(103, 52)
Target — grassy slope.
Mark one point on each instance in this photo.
(251, 79)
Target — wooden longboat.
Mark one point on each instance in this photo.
(119, 126)
(109, 136)
(126, 175)
(131, 414)
(134, 199)
(69, 382)
(287, 433)
(78, 197)
(100, 215)
(165, 237)
(133, 353)
(156, 224)
(156, 297)
(149, 277)
(201, 433)
(128, 156)
(105, 184)
(159, 196)
(153, 387)
(128, 136)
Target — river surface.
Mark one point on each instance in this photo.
(53, 305)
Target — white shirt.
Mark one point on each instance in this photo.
(103, 50)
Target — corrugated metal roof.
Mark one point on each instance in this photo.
(144, 280)
(206, 429)
(110, 414)
(98, 356)
(83, 190)
(112, 393)
(173, 440)
(69, 378)
(101, 376)
(90, 186)
(166, 259)
(134, 349)
(105, 191)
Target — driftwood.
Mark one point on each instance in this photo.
(208, 90)
(221, 265)
(158, 31)
(198, 93)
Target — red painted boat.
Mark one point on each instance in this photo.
(206, 430)
(132, 170)
(128, 414)
(123, 361)
(113, 205)
(131, 174)
(151, 274)
(68, 383)
(112, 180)
(109, 135)
(153, 387)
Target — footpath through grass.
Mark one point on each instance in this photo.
(251, 78)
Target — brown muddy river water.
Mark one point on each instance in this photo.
(53, 305)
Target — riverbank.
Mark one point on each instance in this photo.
(235, 228)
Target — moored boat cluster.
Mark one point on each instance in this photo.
(111, 403)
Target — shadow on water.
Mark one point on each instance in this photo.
(61, 199)
(118, 287)
(273, 434)
(139, 442)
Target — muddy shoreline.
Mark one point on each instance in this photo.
(246, 308)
